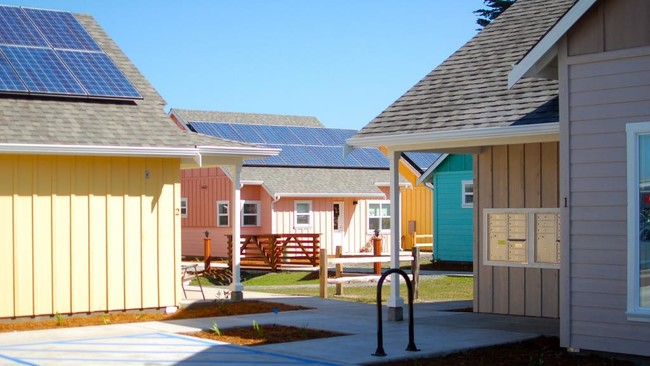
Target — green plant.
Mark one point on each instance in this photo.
(215, 329)
(258, 329)
(59, 319)
(303, 330)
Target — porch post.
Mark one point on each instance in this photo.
(395, 302)
(236, 287)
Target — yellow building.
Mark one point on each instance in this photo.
(90, 189)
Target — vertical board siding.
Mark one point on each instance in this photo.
(453, 232)
(85, 234)
(417, 205)
(603, 96)
(516, 176)
(204, 187)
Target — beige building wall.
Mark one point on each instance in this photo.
(85, 234)
(515, 176)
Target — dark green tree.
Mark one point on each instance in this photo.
(494, 8)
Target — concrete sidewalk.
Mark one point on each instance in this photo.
(437, 331)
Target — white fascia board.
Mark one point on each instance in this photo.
(134, 151)
(543, 51)
(487, 136)
(427, 174)
(387, 184)
(331, 195)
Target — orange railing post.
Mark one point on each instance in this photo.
(207, 250)
(376, 245)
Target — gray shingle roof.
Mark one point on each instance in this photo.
(67, 121)
(188, 115)
(469, 89)
(319, 182)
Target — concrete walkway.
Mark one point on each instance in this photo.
(437, 331)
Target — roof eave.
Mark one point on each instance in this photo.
(426, 176)
(544, 50)
(330, 195)
(465, 138)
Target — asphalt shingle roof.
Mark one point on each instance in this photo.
(469, 89)
(319, 182)
(188, 115)
(68, 121)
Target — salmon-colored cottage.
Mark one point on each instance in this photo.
(310, 187)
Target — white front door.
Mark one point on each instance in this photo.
(338, 226)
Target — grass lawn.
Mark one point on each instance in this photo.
(292, 283)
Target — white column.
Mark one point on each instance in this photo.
(236, 286)
(395, 302)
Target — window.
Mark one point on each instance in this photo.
(467, 193)
(303, 214)
(379, 216)
(223, 213)
(250, 213)
(638, 216)
(184, 207)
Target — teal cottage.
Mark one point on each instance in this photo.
(453, 201)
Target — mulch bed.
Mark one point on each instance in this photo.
(267, 334)
(198, 310)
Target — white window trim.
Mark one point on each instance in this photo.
(259, 206)
(296, 214)
(184, 207)
(464, 193)
(634, 310)
(380, 202)
(227, 214)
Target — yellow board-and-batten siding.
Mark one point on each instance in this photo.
(84, 234)
(417, 205)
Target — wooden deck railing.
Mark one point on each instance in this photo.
(275, 251)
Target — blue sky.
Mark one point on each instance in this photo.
(342, 61)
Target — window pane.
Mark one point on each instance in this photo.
(223, 208)
(250, 208)
(373, 209)
(373, 224)
(302, 219)
(469, 198)
(250, 220)
(385, 223)
(385, 209)
(469, 188)
(303, 207)
(223, 220)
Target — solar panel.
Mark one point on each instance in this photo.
(249, 133)
(9, 80)
(62, 30)
(98, 75)
(41, 71)
(306, 135)
(43, 47)
(16, 29)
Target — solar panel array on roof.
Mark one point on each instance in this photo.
(422, 160)
(50, 52)
(301, 146)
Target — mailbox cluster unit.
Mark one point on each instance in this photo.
(522, 237)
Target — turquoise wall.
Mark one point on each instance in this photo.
(453, 224)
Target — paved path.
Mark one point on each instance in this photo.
(437, 331)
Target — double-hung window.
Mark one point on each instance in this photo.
(467, 197)
(638, 220)
(303, 214)
(184, 207)
(379, 216)
(250, 213)
(223, 213)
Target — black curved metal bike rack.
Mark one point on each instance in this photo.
(380, 336)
